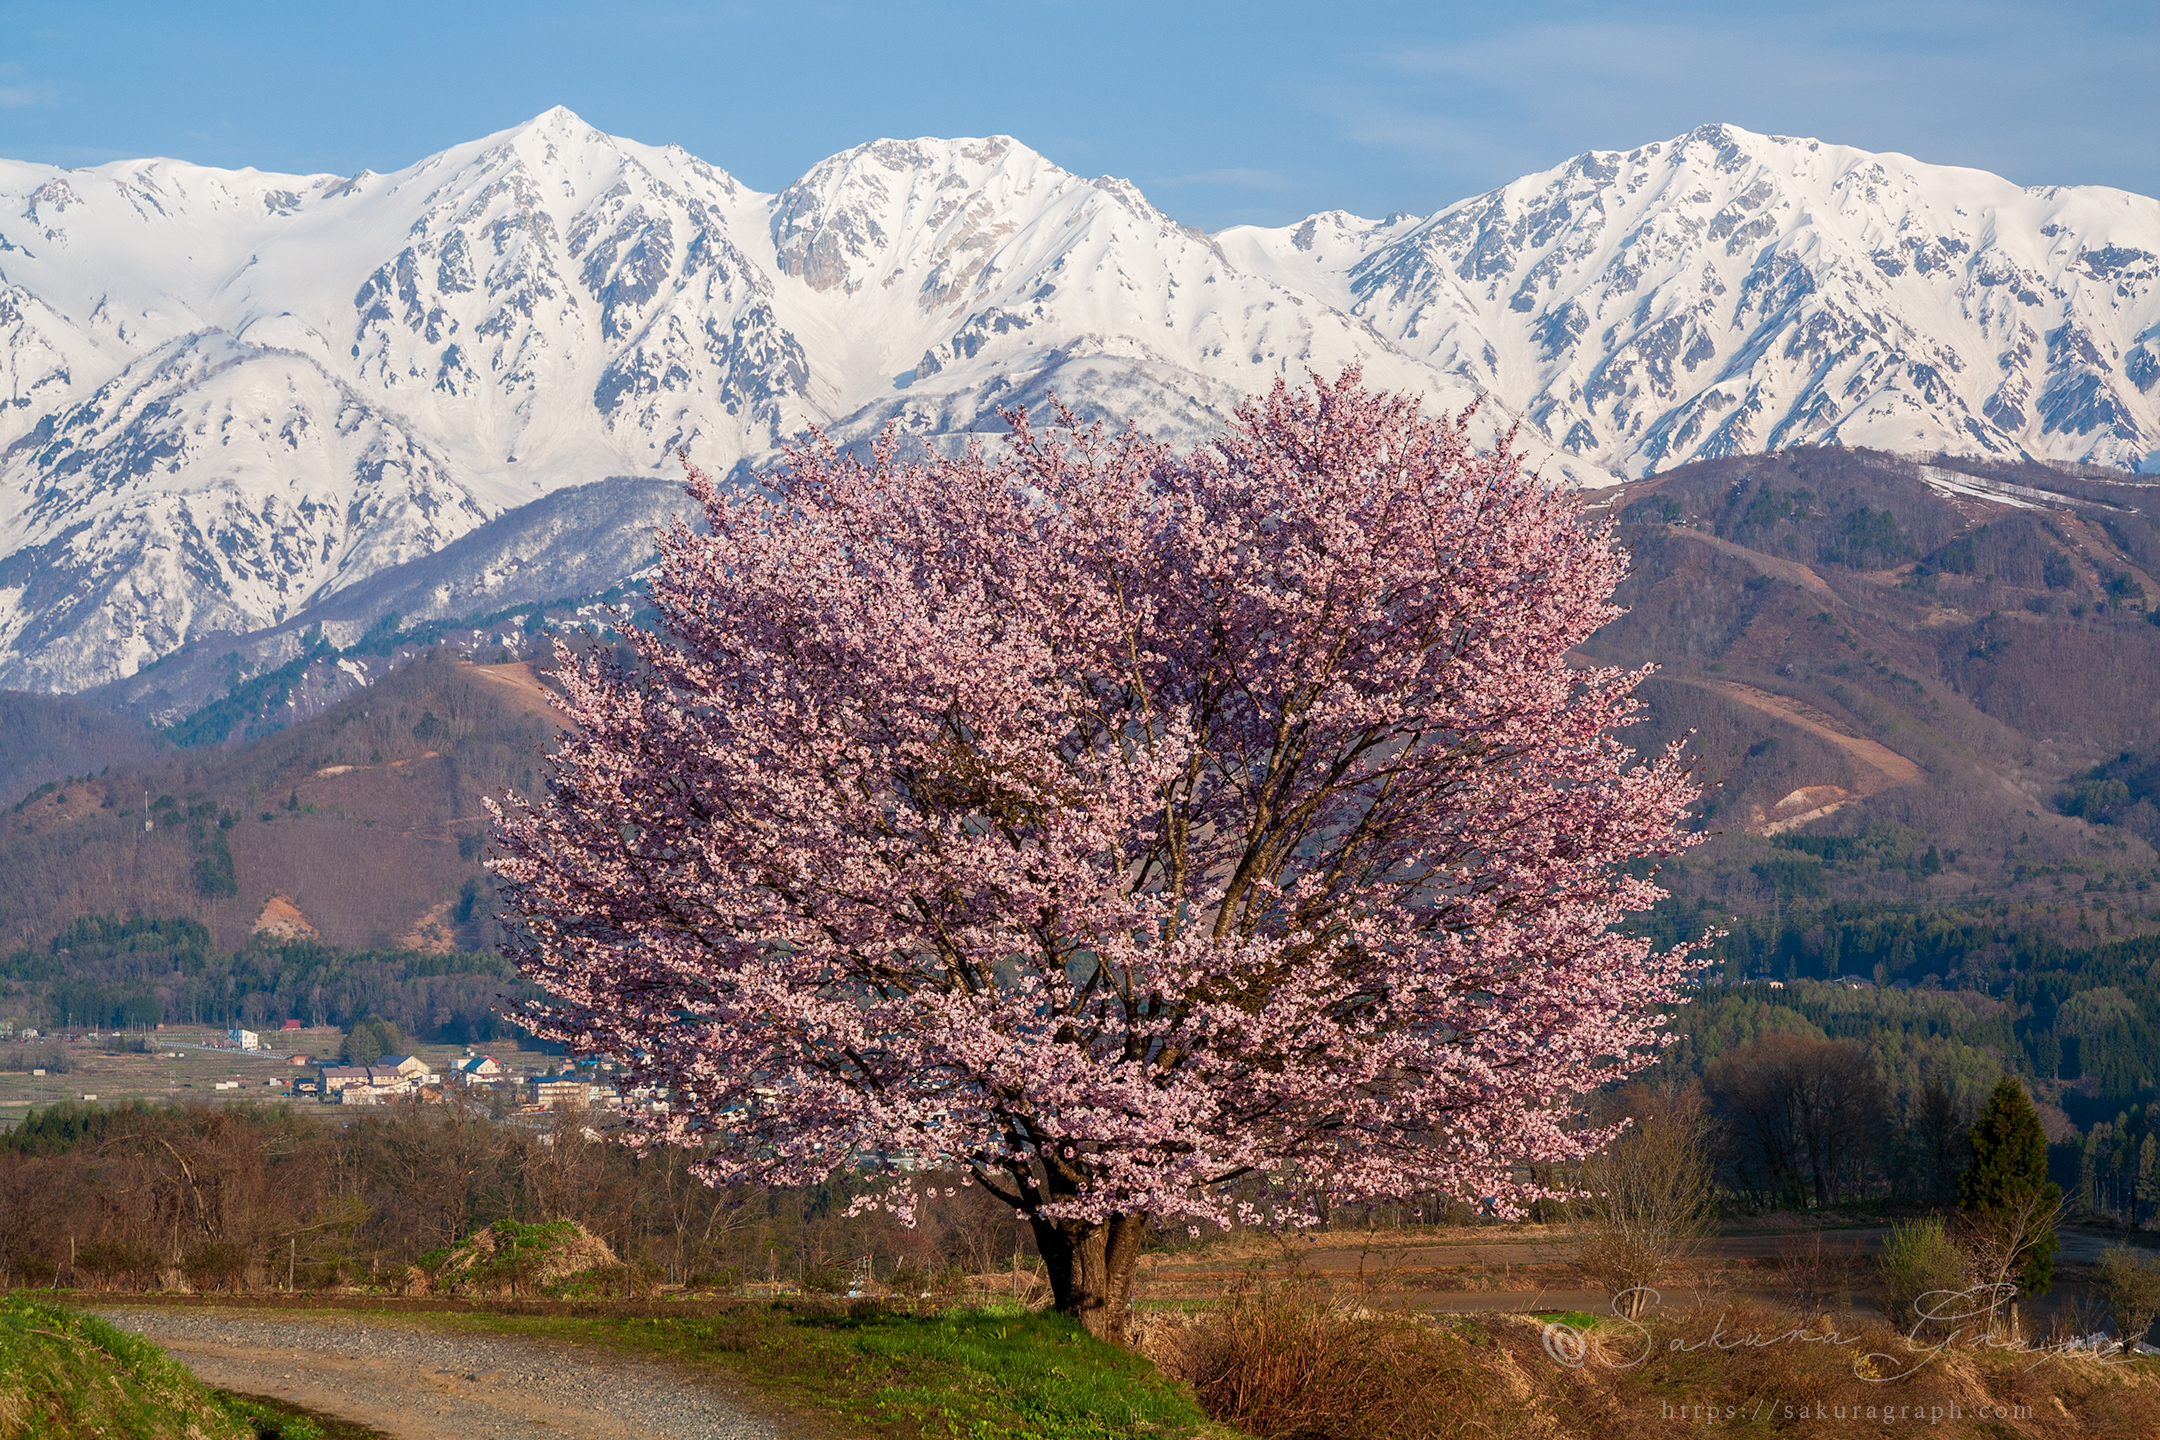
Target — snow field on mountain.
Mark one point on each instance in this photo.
(228, 395)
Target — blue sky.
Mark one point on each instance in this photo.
(1223, 114)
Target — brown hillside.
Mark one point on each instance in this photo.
(365, 821)
(1853, 648)
(1852, 644)
(48, 737)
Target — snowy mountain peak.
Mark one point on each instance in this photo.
(228, 395)
(1726, 291)
(880, 211)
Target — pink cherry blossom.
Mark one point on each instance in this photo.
(1153, 839)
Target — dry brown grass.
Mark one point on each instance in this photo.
(1293, 1361)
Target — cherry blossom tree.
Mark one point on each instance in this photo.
(1149, 839)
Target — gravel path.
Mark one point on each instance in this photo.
(414, 1382)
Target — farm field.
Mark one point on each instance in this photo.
(1531, 1268)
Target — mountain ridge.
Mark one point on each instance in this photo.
(227, 397)
(1451, 285)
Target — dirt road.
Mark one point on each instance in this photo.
(417, 1382)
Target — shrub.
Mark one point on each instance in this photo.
(1817, 1277)
(113, 1261)
(727, 1277)
(2131, 1283)
(1291, 1363)
(948, 1283)
(829, 1276)
(216, 1264)
(1919, 1258)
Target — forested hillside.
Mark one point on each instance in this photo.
(1925, 708)
(102, 972)
(361, 827)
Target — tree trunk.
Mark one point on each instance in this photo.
(1091, 1267)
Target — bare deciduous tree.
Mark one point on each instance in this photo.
(1807, 1113)
(1999, 1241)
(1649, 1202)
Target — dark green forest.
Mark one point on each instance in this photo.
(101, 972)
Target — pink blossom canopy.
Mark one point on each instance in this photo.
(1135, 832)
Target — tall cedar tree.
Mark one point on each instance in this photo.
(2010, 1164)
(1149, 839)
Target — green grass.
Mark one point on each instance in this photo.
(274, 1419)
(1580, 1319)
(63, 1374)
(989, 1374)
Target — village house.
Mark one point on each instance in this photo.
(412, 1067)
(559, 1091)
(478, 1070)
(337, 1077)
(365, 1084)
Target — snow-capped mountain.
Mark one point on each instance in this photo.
(231, 394)
(1727, 292)
(226, 396)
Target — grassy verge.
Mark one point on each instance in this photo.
(981, 1374)
(63, 1374)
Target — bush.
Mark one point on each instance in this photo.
(1919, 1258)
(112, 1261)
(829, 1276)
(2131, 1283)
(948, 1284)
(727, 1277)
(1291, 1363)
(217, 1264)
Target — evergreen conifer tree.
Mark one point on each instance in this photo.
(2009, 1169)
